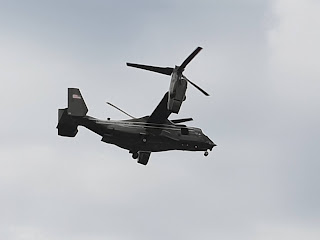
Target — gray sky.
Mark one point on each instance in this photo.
(260, 63)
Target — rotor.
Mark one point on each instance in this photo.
(169, 70)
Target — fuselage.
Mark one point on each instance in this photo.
(139, 135)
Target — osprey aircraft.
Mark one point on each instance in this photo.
(178, 83)
(140, 136)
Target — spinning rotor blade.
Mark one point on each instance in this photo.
(197, 87)
(120, 109)
(162, 70)
(188, 59)
(181, 120)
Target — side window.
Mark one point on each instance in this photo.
(184, 131)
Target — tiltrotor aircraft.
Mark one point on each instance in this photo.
(178, 83)
(141, 136)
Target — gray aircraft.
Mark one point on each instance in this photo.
(141, 136)
(178, 83)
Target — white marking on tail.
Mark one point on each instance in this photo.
(76, 96)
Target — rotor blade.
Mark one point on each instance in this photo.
(162, 70)
(119, 109)
(197, 87)
(188, 59)
(182, 120)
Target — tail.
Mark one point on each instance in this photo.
(67, 117)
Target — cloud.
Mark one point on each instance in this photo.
(295, 51)
(289, 230)
(259, 65)
(293, 76)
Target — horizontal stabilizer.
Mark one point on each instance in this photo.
(162, 70)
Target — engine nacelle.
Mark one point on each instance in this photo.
(177, 93)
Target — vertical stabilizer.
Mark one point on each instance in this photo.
(76, 105)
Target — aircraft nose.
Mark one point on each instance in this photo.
(211, 144)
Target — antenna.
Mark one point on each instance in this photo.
(120, 110)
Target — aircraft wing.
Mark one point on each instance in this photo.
(144, 157)
(161, 113)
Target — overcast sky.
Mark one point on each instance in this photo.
(260, 64)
